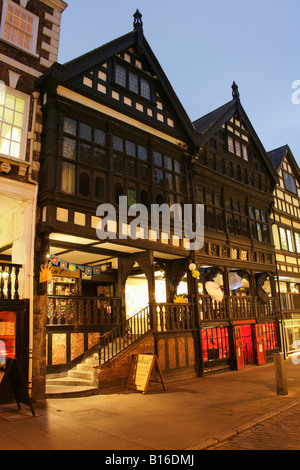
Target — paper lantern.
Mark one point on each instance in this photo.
(235, 281)
(192, 267)
(195, 274)
(214, 291)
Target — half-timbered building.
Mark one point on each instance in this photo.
(29, 38)
(113, 126)
(234, 178)
(286, 233)
(117, 139)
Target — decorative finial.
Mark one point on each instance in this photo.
(137, 24)
(235, 90)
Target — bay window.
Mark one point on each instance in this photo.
(13, 123)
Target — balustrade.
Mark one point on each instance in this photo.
(172, 316)
(9, 281)
(235, 307)
(63, 310)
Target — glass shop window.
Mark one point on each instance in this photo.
(7, 336)
(215, 344)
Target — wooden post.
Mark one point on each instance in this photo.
(281, 384)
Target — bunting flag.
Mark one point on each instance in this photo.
(54, 260)
(63, 264)
(88, 270)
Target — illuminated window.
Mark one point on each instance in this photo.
(283, 239)
(13, 123)
(19, 27)
(297, 240)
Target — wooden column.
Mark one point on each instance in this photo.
(227, 291)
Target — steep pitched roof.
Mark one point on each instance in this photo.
(278, 155)
(134, 39)
(203, 124)
(209, 124)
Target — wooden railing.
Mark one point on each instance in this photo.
(65, 310)
(9, 281)
(172, 316)
(235, 307)
(123, 335)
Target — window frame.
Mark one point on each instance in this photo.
(290, 178)
(77, 136)
(35, 27)
(127, 75)
(24, 127)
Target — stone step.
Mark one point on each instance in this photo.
(80, 380)
(87, 376)
(70, 381)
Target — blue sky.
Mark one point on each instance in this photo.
(203, 47)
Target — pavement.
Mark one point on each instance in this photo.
(189, 416)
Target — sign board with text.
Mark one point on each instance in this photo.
(142, 368)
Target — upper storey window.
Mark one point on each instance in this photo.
(237, 139)
(13, 123)
(289, 182)
(19, 27)
(132, 82)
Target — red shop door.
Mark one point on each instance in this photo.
(239, 348)
(260, 345)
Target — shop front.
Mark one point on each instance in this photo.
(238, 318)
(17, 222)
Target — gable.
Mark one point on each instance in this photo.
(232, 141)
(287, 168)
(126, 82)
(126, 76)
(284, 162)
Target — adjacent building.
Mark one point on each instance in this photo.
(286, 232)
(234, 178)
(29, 38)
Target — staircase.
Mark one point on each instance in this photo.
(81, 381)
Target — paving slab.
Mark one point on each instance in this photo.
(190, 415)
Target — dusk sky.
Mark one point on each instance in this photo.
(203, 47)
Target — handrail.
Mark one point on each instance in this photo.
(123, 335)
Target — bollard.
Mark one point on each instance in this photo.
(281, 384)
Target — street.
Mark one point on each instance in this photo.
(278, 433)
